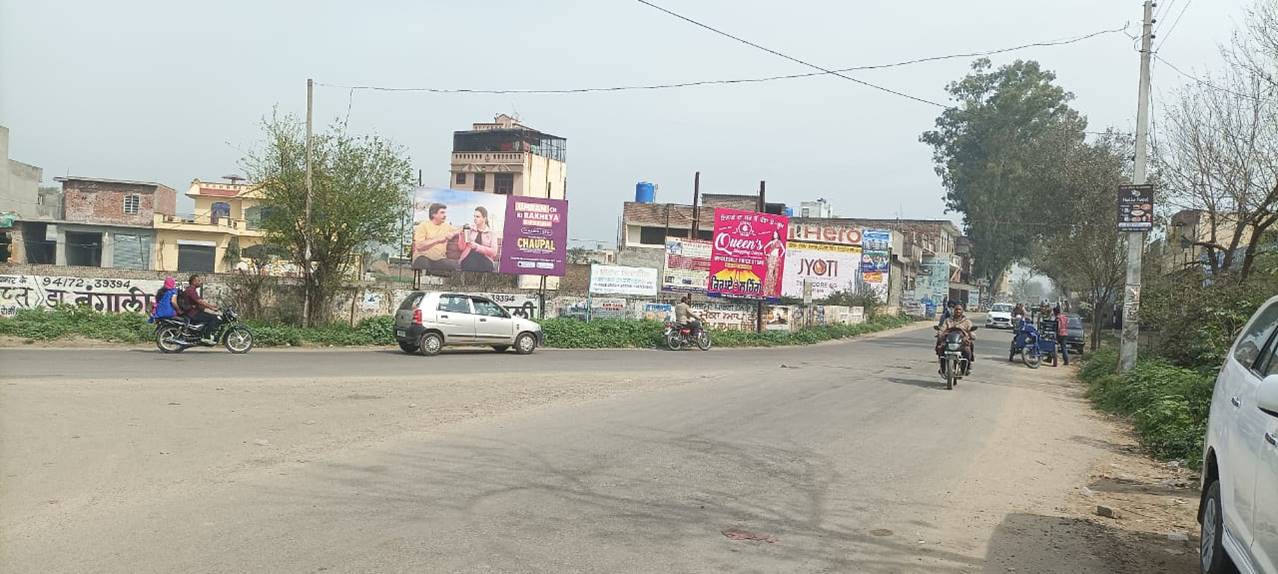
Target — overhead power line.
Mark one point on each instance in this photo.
(1205, 82)
(675, 85)
(1173, 26)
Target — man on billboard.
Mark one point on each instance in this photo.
(430, 240)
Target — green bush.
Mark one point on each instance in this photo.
(68, 320)
(1193, 322)
(1167, 404)
(567, 333)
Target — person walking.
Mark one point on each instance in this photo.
(1062, 330)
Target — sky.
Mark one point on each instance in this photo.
(173, 91)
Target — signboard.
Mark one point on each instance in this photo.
(656, 312)
(876, 261)
(747, 257)
(727, 320)
(825, 233)
(933, 284)
(607, 308)
(457, 230)
(1136, 207)
(778, 318)
(827, 268)
(687, 266)
(619, 280)
(104, 295)
(537, 236)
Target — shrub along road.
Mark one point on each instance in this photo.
(847, 456)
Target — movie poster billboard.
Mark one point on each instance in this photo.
(876, 262)
(536, 236)
(687, 265)
(828, 268)
(457, 230)
(747, 258)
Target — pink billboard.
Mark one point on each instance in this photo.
(748, 255)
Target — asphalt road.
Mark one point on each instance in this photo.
(847, 457)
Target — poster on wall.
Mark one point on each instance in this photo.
(778, 318)
(687, 266)
(457, 230)
(747, 257)
(933, 284)
(620, 280)
(828, 268)
(536, 236)
(876, 262)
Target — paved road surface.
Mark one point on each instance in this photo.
(851, 456)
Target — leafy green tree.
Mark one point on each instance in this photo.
(359, 186)
(992, 151)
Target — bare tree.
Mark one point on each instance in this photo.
(1218, 147)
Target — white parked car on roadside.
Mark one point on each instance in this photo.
(1239, 507)
(426, 322)
(1000, 316)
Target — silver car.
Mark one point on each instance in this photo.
(428, 321)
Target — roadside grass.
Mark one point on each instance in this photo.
(69, 321)
(1168, 405)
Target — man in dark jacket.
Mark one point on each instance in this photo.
(200, 311)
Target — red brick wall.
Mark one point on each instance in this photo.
(103, 202)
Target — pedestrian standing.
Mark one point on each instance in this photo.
(1062, 331)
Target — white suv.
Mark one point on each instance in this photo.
(426, 322)
(1239, 508)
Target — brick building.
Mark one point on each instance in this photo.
(103, 223)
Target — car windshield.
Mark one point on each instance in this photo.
(1001, 308)
(1076, 322)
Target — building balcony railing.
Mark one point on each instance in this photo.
(204, 222)
(488, 157)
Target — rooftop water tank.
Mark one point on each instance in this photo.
(789, 212)
(645, 192)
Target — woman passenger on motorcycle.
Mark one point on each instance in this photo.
(165, 301)
(957, 322)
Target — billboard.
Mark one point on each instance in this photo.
(748, 254)
(457, 230)
(1136, 207)
(536, 236)
(619, 280)
(933, 284)
(876, 262)
(687, 265)
(826, 267)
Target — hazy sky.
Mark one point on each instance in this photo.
(171, 91)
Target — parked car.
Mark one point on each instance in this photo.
(428, 321)
(1000, 316)
(1239, 505)
(1076, 336)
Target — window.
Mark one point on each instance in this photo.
(504, 183)
(131, 203)
(479, 182)
(1247, 350)
(196, 258)
(652, 236)
(221, 210)
(454, 304)
(548, 184)
(461, 177)
(488, 308)
(411, 301)
(1270, 368)
(83, 249)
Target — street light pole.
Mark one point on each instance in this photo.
(306, 225)
(1136, 239)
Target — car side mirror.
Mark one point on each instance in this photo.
(1267, 395)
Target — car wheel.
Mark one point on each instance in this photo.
(1212, 551)
(407, 347)
(430, 344)
(501, 348)
(525, 343)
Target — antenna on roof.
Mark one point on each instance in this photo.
(234, 179)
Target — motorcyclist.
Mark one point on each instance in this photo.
(956, 322)
(686, 318)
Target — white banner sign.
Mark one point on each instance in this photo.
(618, 280)
(826, 267)
(101, 294)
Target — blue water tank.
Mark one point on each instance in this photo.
(789, 212)
(645, 192)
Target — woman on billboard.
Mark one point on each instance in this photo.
(479, 246)
(773, 251)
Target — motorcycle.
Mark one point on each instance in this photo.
(177, 334)
(957, 365)
(680, 336)
(1032, 347)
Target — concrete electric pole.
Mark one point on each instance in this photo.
(306, 225)
(1136, 239)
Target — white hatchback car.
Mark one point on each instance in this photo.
(1000, 316)
(426, 322)
(1239, 508)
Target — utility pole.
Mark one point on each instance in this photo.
(306, 225)
(696, 206)
(758, 305)
(1136, 239)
